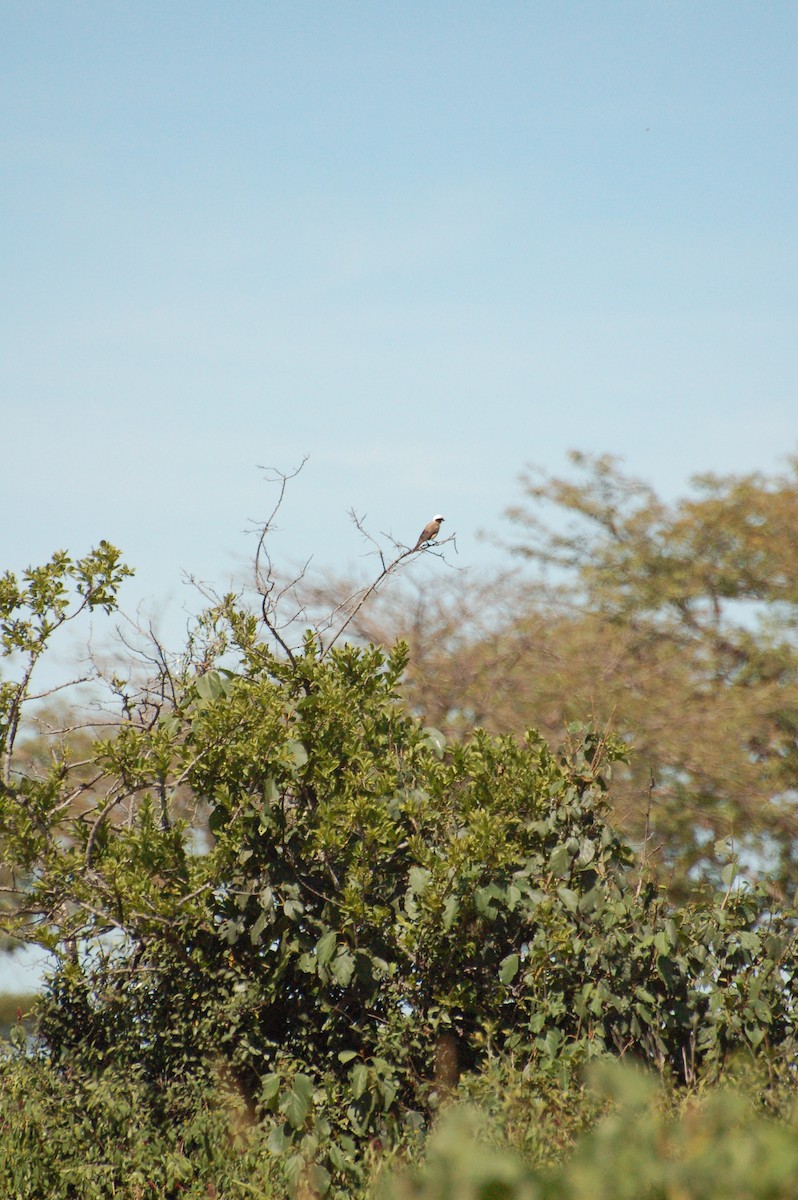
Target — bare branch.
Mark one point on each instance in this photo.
(265, 579)
(389, 569)
(59, 687)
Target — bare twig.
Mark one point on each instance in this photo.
(274, 593)
(265, 580)
(387, 569)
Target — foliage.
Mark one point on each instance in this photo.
(697, 602)
(74, 1134)
(356, 916)
(717, 1148)
(33, 608)
(93, 1137)
(674, 625)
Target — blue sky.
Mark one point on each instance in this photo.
(424, 244)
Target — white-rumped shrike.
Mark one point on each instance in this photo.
(428, 533)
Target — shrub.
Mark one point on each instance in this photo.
(283, 881)
(718, 1147)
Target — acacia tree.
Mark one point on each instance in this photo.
(693, 609)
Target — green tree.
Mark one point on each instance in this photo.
(672, 625)
(355, 914)
(689, 611)
(33, 608)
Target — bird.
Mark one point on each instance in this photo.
(429, 532)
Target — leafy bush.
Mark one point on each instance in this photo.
(90, 1135)
(717, 1148)
(280, 884)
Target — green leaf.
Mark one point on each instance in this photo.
(325, 947)
(297, 751)
(774, 946)
(303, 1086)
(296, 1105)
(418, 879)
(755, 1034)
(762, 1011)
(256, 930)
(450, 911)
(270, 1086)
(293, 909)
(569, 898)
(508, 968)
(730, 873)
(210, 687)
(278, 1141)
(346, 1056)
(359, 1077)
(343, 967)
(551, 1042)
(561, 861)
(435, 740)
(338, 1158)
(230, 931)
(587, 852)
(294, 1167)
(485, 899)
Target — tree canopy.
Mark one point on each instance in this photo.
(280, 880)
(672, 625)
